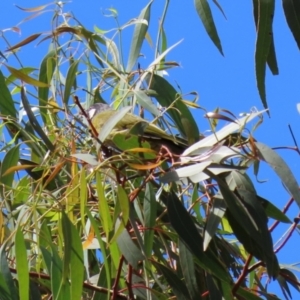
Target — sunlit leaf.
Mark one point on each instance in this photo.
(22, 265)
(138, 37)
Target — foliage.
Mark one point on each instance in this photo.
(100, 213)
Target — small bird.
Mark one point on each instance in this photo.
(132, 125)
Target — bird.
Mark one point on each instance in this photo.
(132, 125)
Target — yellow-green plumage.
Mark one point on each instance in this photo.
(131, 124)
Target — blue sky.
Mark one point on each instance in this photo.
(226, 82)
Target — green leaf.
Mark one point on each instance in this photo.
(281, 169)
(265, 9)
(139, 33)
(70, 81)
(177, 286)
(7, 285)
(244, 189)
(34, 122)
(214, 218)
(24, 77)
(246, 294)
(290, 278)
(26, 70)
(149, 209)
(22, 265)
(67, 235)
(103, 206)
(273, 212)
(183, 224)
(206, 17)
(76, 262)
(10, 160)
(47, 68)
(291, 10)
(188, 270)
(123, 217)
(272, 60)
(166, 95)
(129, 249)
(7, 107)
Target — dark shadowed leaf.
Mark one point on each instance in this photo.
(206, 17)
(139, 33)
(183, 224)
(176, 284)
(290, 278)
(246, 192)
(281, 169)
(291, 10)
(67, 235)
(188, 270)
(149, 210)
(6, 280)
(214, 218)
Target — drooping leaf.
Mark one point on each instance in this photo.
(291, 10)
(263, 42)
(271, 60)
(281, 169)
(204, 12)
